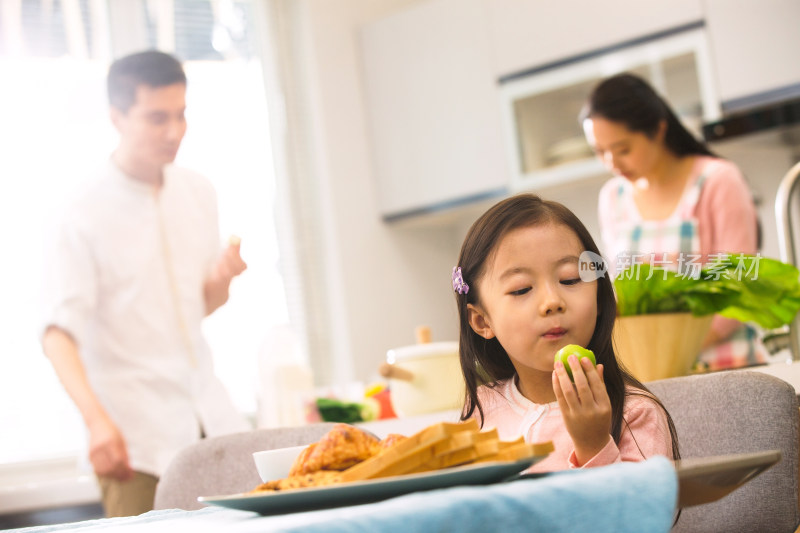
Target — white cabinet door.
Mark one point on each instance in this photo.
(755, 46)
(540, 111)
(433, 107)
(531, 33)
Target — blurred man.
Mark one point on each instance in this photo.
(133, 268)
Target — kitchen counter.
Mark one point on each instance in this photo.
(788, 371)
(408, 425)
(46, 484)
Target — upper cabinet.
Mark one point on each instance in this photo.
(531, 33)
(433, 107)
(541, 109)
(471, 99)
(755, 49)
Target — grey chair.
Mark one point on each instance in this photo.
(224, 465)
(738, 412)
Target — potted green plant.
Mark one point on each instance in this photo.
(663, 315)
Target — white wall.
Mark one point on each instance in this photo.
(388, 279)
(764, 159)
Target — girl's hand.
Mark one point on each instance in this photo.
(585, 406)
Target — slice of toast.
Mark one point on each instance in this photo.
(504, 444)
(410, 453)
(517, 452)
(465, 456)
(459, 441)
(489, 434)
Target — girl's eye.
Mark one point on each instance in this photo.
(572, 281)
(520, 292)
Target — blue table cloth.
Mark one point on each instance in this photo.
(625, 497)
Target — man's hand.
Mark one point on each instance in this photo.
(229, 265)
(107, 450)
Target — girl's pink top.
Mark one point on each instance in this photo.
(645, 432)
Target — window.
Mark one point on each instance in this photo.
(53, 57)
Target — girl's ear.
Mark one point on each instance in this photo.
(478, 322)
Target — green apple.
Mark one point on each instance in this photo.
(579, 351)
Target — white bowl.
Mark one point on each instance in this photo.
(275, 464)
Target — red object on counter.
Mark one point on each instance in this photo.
(384, 399)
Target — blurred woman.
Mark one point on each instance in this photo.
(672, 202)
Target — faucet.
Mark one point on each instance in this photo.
(787, 235)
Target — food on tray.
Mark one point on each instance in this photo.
(390, 440)
(347, 453)
(579, 351)
(340, 448)
(315, 479)
(321, 463)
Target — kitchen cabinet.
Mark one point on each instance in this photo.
(754, 45)
(433, 107)
(529, 33)
(545, 141)
(473, 99)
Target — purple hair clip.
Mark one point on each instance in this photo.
(458, 282)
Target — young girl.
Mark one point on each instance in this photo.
(521, 298)
(671, 199)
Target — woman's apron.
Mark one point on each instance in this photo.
(675, 243)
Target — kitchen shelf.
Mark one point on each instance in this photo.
(547, 178)
(446, 214)
(545, 142)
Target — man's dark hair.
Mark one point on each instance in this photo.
(151, 68)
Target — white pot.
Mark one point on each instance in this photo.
(424, 378)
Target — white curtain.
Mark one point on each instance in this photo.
(300, 224)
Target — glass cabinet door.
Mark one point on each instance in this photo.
(545, 139)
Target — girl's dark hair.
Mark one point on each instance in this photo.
(628, 99)
(485, 361)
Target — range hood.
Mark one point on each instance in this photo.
(782, 116)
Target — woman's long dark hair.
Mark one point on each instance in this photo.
(484, 361)
(628, 99)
